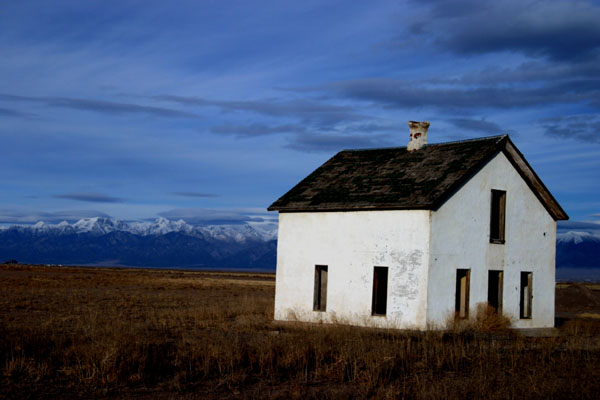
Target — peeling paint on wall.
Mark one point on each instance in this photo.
(356, 243)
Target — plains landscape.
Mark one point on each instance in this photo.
(144, 142)
(74, 332)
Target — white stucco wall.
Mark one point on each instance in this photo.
(351, 244)
(460, 233)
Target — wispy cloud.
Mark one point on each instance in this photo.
(578, 226)
(89, 197)
(403, 94)
(195, 194)
(98, 106)
(529, 72)
(477, 125)
(254, 130)
(315, 142)
(306, 110)
(306, 139)
(6, 112)
(585, 128)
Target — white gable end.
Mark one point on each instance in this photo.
(460, 239)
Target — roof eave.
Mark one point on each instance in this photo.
(346, 209)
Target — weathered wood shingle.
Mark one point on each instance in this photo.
(395, 178)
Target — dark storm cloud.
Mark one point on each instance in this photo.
(8, 216)
(585, 128)
(477, 125)
(195, 194)
(99, 106)
(557, 30)
(89, 197)
(562, 37)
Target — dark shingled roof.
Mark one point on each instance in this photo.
(394, 178)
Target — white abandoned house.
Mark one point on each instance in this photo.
(410, 237)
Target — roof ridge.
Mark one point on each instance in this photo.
(434, 144)
(472, 140)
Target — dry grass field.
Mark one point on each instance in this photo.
(70, 332)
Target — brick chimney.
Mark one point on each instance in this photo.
(418, 135)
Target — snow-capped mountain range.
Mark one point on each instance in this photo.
(161, 226)
(160, 243)
(578, 249)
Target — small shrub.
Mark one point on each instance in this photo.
(486, 320)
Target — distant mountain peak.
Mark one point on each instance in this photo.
(576, 237)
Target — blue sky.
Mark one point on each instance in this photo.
(210, 110)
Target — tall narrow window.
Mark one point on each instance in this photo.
(463, 278)
(525, 308)
(320, 298)
(380, 283)
(495, 290)
(497, 216)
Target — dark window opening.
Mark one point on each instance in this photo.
(463, 278)
(497, 220)
(525, 307)
(380, 283)
(320, 298)
(495, 290)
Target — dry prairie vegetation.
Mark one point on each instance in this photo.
(110, 333)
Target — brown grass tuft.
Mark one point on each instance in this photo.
(486, 320)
